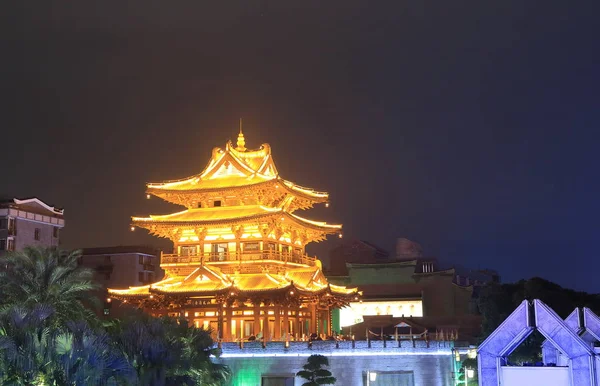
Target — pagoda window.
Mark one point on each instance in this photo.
(285, 249)
(251, 247)
(217, 203)
(187, 250)
(219, 251)
(271, 246)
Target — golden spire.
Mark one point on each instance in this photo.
(241, 142)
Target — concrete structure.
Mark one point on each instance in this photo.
(579, 361)
(121, 266)
(406, 284)
(425, 363)
(29, 221)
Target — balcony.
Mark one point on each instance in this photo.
(231, 257)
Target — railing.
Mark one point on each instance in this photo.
(286, 257)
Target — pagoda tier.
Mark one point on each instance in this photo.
(240, 223)
(235, 177)
(239, 264)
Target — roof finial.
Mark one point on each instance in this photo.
(241, 142)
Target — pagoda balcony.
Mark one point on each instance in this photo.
(219, 257)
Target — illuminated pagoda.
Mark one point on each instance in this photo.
(240, 265)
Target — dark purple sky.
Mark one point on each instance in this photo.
(470, 127)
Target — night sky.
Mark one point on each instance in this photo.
(469, 127)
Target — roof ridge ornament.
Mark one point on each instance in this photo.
(241, 142)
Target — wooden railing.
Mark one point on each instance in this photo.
(286, 257)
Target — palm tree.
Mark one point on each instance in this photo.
(25, 346)
(166, 351)
(47, 276)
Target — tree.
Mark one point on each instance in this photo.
(51, 277)
(167, 351)
(314, 373)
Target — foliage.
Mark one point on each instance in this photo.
(168, 351)
(48, 337)
(47, 276)
(497, 301)
(314, 373)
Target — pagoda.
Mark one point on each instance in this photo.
(239, 264)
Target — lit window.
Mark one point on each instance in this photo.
(12, 227)
(36, 234)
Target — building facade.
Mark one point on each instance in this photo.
(239, 264)
(121, 267)
(29, 222)
(401, 285)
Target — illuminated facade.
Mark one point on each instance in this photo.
(239, 264)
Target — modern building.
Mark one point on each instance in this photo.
(239, 264)
(29, 221)
(121, 266)
(405, 286)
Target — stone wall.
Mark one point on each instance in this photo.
(427, 366)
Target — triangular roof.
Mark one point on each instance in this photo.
(210, 279)
(32, 203)
(230, 168)
(518, 326)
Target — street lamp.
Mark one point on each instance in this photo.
(371, 377)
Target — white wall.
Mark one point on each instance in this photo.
(535, 376)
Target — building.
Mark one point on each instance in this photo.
(30, 221)
(401, 285)
(239, 264)
(121, 266)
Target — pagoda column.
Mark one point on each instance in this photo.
(266, 332)
(277, 329)
(227, 324)
(313, 319)
(286, 323)
(220, 322)
(256, 318)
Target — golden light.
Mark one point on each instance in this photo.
(125, 301)
(340, 235)
(108, 300)
(232, 293)
(147, 196)
(291, 292)
(151, 296)
(326, 205)
(132, 228)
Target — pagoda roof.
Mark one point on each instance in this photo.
(231, 168)
(231, 214)
(208, 279)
